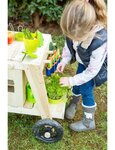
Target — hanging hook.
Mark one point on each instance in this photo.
(20, 28)
(11, 26)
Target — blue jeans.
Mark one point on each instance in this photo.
(86, 89)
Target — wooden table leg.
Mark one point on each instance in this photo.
(36, 80)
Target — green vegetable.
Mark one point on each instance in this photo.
(36, 35)
(53, 87)
(40, 38)
(27, 34)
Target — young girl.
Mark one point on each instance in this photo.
(83, 22)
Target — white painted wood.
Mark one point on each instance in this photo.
(15, 51)
(57, 110)
(47, 61)
(36, 80)
(50, 52)
(15, 65)
(11, 99)
(16, 98)
(28, 104)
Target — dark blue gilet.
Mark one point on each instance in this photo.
(85, 54)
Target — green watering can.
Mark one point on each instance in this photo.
(29, 94)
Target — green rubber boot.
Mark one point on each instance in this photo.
(72, 107)
(88, 121)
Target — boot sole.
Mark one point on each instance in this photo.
(85, 130)
(70, 118)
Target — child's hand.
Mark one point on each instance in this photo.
(64, 81)
(60, 67)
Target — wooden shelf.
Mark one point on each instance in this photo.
(57, 110)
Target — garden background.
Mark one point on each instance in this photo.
(44, 15)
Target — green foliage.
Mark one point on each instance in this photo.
(54, 89)
(12, 7)
(59, 40)
(51, 47)
(18, 9)
(24, 9)
(48, 8)
(27, 34)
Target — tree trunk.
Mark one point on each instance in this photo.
(37, 19)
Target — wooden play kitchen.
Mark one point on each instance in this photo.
(23, 69)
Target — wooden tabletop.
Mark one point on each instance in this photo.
(15, 55)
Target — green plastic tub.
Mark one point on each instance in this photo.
(31, 45)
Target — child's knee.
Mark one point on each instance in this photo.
(75, 90)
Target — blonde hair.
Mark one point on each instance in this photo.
(80, 16)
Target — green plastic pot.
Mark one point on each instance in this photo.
(61, 100)
(31, 45)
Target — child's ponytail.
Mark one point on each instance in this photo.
(100, 9)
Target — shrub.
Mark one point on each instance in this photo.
(25, 9)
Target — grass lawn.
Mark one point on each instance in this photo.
(20, 134)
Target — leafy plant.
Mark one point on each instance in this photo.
(54, 89)
(59, 40)
(27, 34)
(18, 9)
(33, 35)
(32, 41)
(24, 9)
